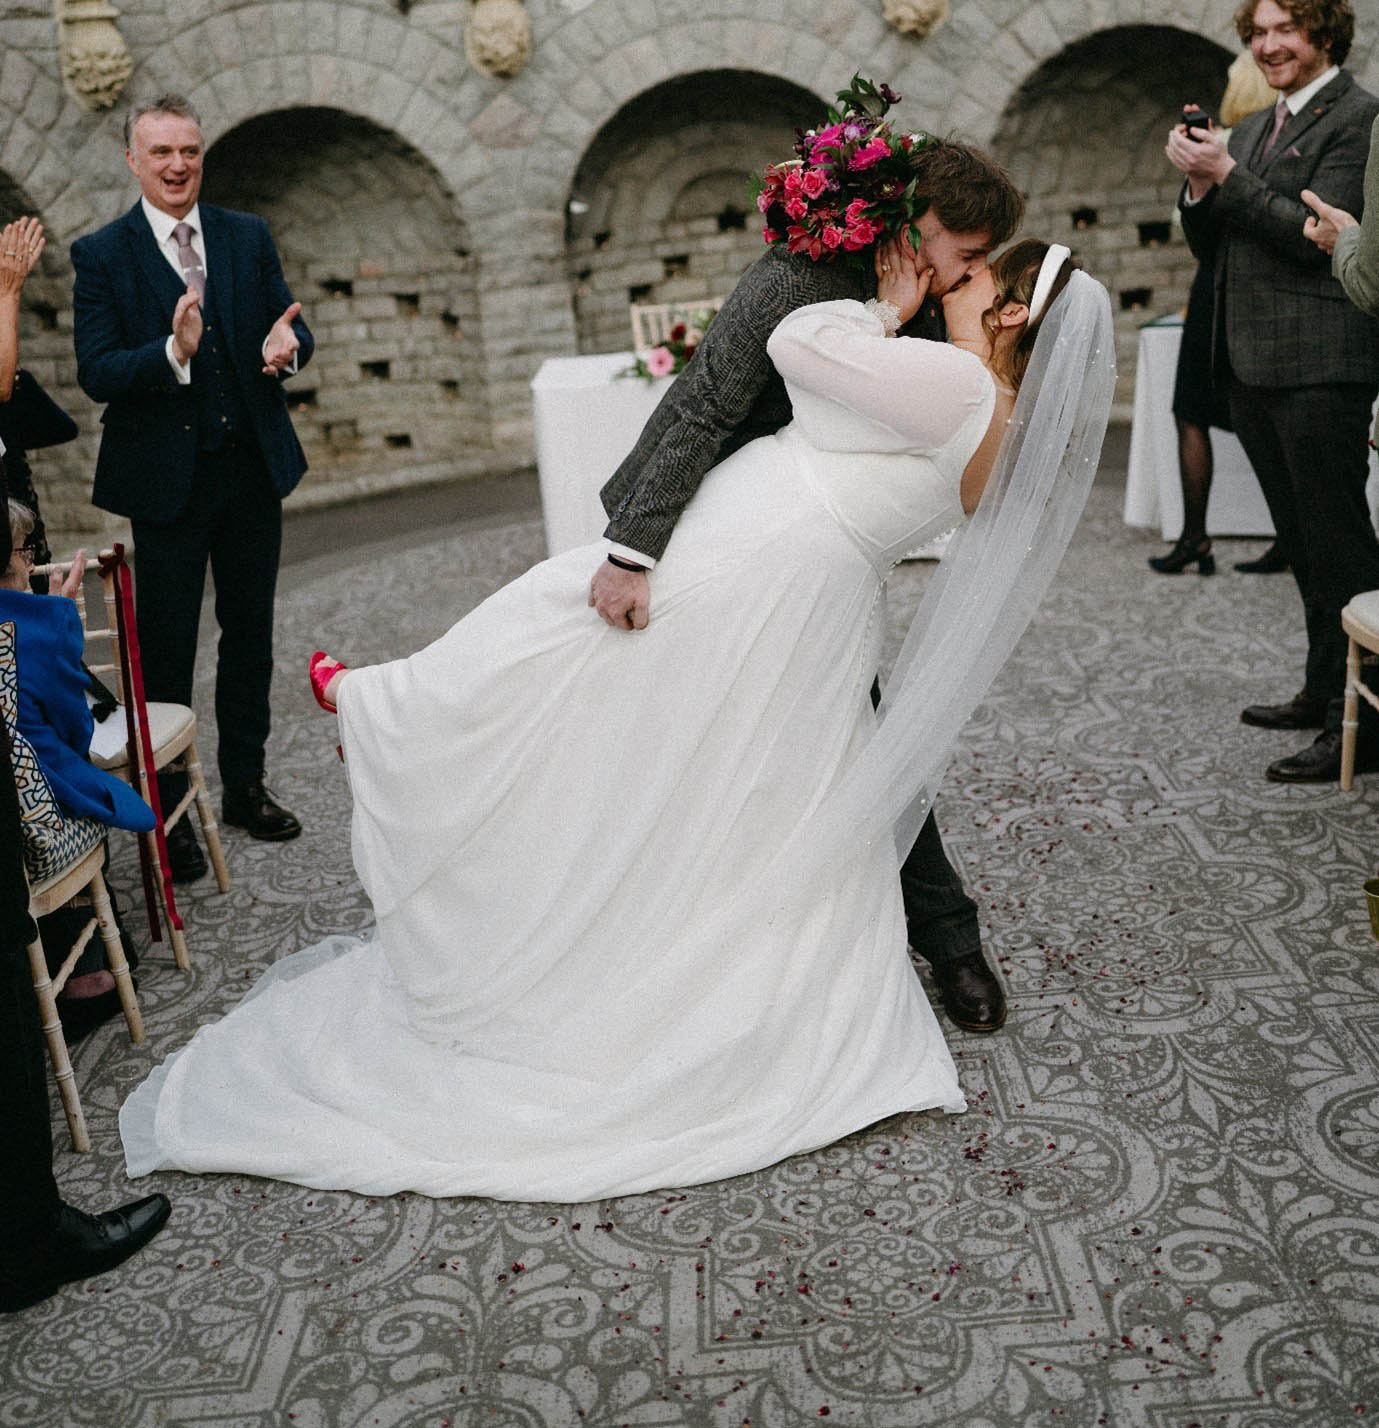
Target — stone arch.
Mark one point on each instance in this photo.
(661, 204)
(1113, 201)
(373, 245)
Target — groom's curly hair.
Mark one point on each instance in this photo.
(1324, 22)
(967, 190)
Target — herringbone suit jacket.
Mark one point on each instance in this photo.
(1281, 318)
(728, 395)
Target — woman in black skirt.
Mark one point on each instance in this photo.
(1198, 403)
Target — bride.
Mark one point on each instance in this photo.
(594, 974)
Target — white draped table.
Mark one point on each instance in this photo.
(587, 418)
(1153, 489)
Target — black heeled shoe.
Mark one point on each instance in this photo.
(1185, 553)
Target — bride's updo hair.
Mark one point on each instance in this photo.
(1015, 273)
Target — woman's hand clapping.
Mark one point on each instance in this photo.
(21, 243)
(69, 584)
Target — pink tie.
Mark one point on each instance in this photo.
(1280, 119)
(192, 270)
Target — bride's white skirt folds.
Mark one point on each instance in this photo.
(583, 981)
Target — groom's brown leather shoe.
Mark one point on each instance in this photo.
(970, 993)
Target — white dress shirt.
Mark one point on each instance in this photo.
(163, 225)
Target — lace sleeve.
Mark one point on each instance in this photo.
(838, 351)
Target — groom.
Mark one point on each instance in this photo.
(730, 394)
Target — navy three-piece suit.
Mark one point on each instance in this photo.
(200, 469)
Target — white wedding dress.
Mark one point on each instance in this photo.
(583, 981)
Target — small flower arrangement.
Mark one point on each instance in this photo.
(851, 184)
(668, 358)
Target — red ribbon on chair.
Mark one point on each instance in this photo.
(139, 742)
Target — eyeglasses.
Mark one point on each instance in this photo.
(28, 551)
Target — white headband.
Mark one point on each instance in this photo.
(1048, 271)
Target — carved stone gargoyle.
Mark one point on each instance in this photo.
(95, 60)
(497, 38)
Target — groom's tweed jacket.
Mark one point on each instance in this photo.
(728, 395)
(1282, 319)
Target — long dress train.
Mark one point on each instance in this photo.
(583, 982)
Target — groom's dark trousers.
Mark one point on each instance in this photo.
(729, 394)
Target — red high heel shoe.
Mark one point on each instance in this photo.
(321, 669)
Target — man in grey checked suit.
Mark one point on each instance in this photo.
(1301, 364)
(729, 394)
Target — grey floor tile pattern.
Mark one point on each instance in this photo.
(1159, 1212)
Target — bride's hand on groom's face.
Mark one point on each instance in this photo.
(899, 279)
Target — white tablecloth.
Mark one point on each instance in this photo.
(586, 419)
(1153, 489)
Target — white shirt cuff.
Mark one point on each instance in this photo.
(625, 552)
(181, 370)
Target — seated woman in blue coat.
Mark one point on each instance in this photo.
(53, 713)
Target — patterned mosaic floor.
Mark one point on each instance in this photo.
(1160, 1211)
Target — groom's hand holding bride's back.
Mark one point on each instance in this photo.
(622, 596)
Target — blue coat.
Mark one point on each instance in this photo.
(123, 302)
(53, 714)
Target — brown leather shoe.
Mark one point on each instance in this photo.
(1299, 712)
(970, 993)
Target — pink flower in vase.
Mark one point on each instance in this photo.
(659, 362)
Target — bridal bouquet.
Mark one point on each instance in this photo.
(850, 185)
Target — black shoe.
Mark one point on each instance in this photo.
(82, 1245)
(1320, 761)
(1196, 550)
(251, 807)
(1299, 712)
(185, 857)
(80, 1016)
(970, 993)
(1270, 563)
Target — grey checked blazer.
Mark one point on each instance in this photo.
(1281, 318)
(728, 395)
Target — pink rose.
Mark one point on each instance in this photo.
(769, 235)
(870, 154)
(792, 181)
(797, 208)
(659, 362)
(832, 236)
(860, 235)
(855, 210)
(764, 201)
(813, 182)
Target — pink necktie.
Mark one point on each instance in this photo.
(1280, 119)
(192, 270)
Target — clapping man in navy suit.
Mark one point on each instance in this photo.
(184, 329)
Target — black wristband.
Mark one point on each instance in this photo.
(625, 564)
